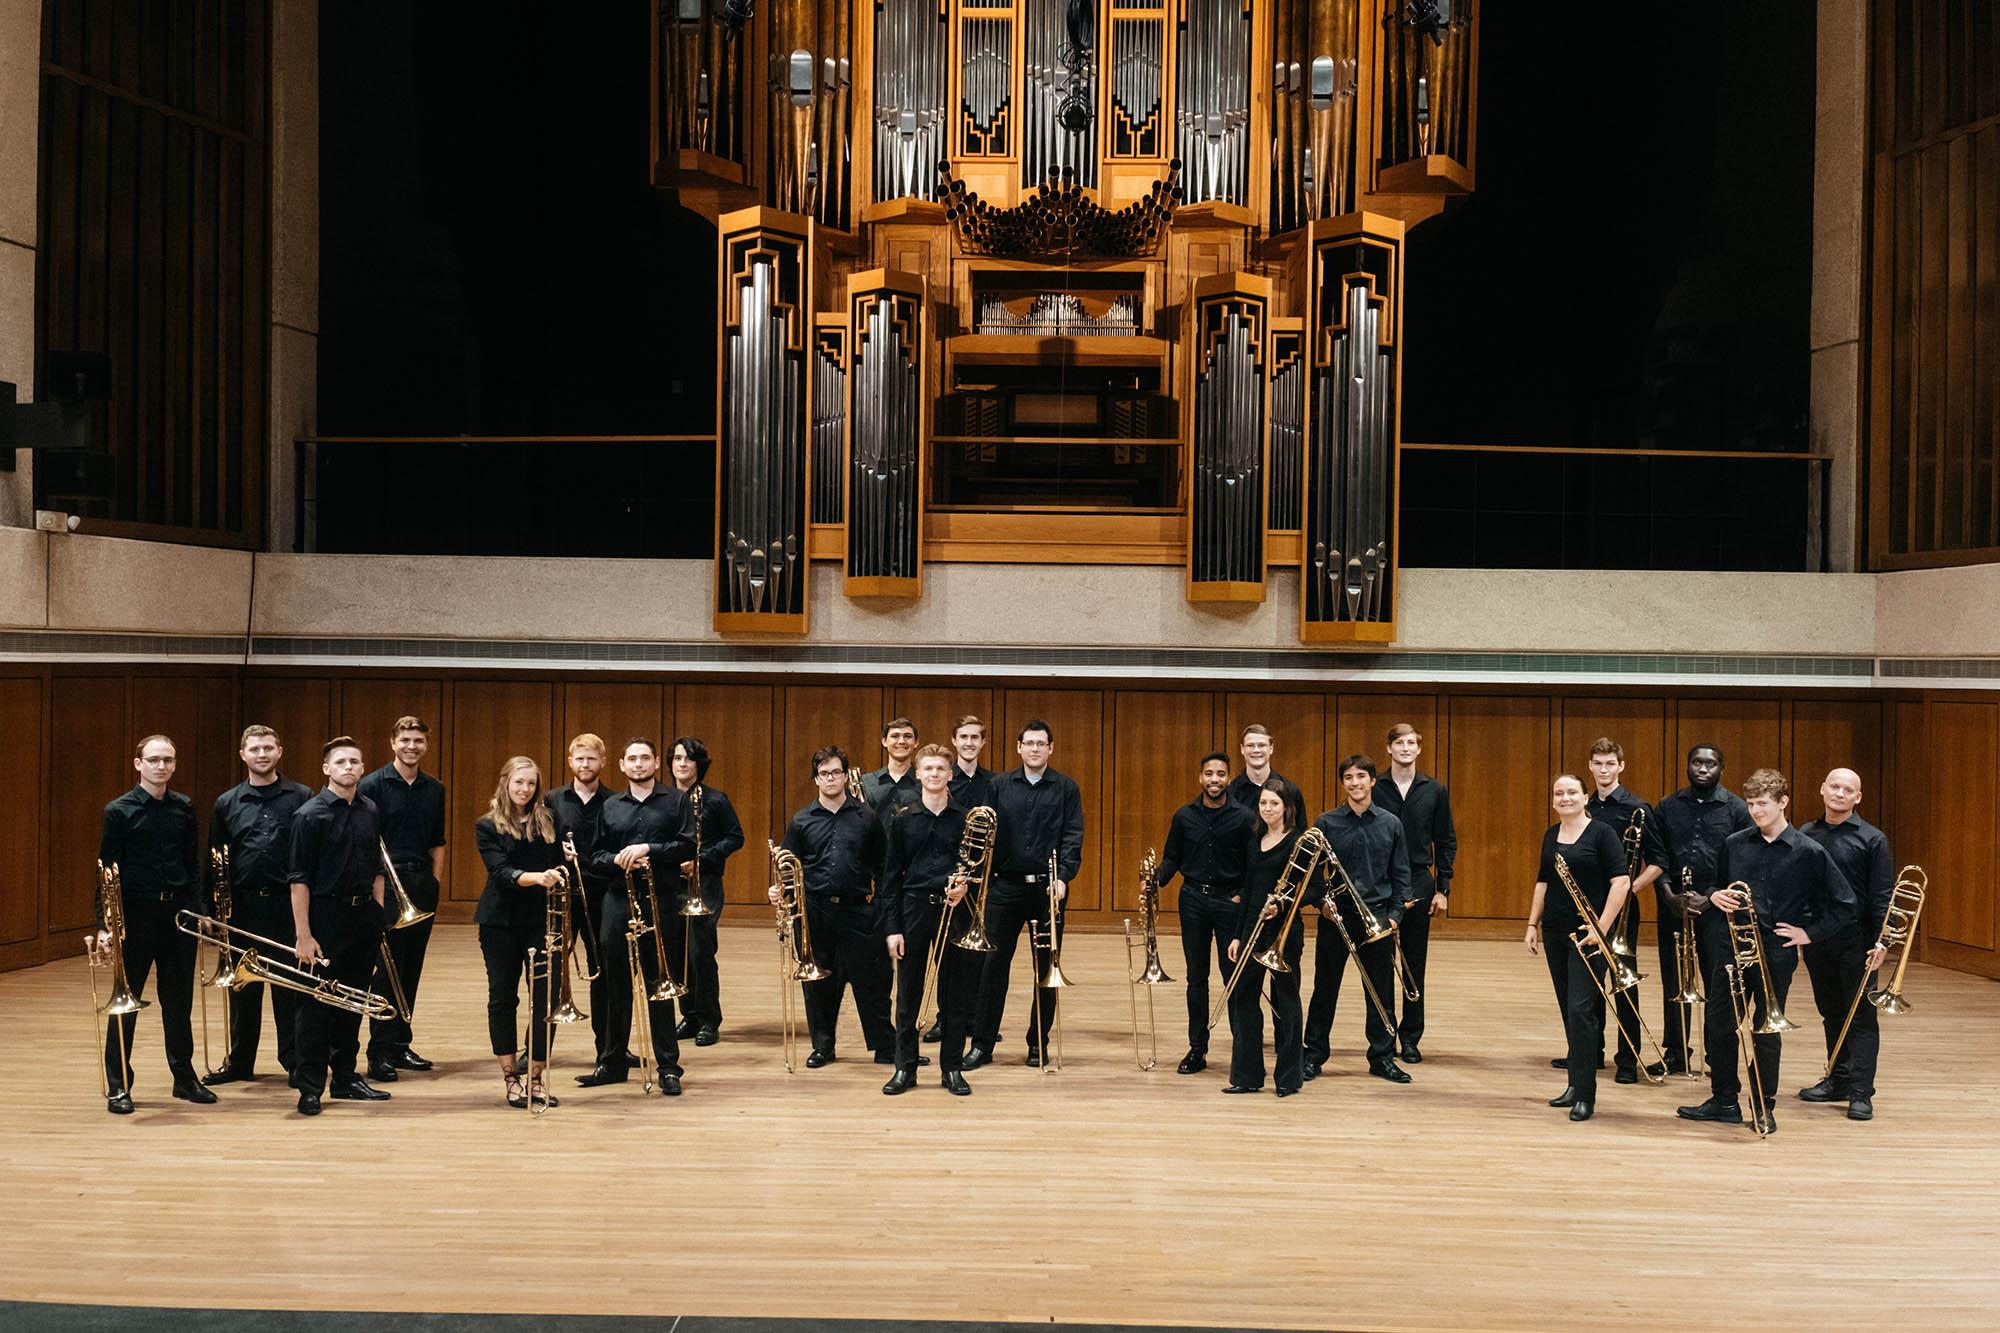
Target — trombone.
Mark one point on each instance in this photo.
(548, 978)
(1301, 865)
(1693, 989)
(1152, 974)
(120, 1001)
(1626, 928)
(225, 908)
(250, 958)
(1045, 940)
(975, 866)
(575, 863)
(637, 926)
(1617, 975)
(407, 913)
(692, 902)
(1746, 951)
(1372, 930)
(795, 952)
(1899, 931)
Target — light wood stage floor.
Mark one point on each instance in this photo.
(1095, 1194)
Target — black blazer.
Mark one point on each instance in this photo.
(504, 902)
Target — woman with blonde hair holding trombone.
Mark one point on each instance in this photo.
(517, 841)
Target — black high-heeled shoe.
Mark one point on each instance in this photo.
(517, 1091)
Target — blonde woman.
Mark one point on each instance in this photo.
(517, 841)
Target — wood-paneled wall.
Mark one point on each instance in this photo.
(1134, 748)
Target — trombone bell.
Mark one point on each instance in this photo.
(1890, 1002)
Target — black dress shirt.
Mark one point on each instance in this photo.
(155, 842)
(840, 850)
(255, 825)
(1261, 873)
(659, 822)
(1207, 844)
(921, 852)
(882, 791)
(721, 836)
(334, 849)
(1686, 831)
(505, 901)
(1426, 816)
(412, 813)
(1617, 810)
(1792, 881)
(1245, 792)
(971, 790)
(583, 821)
(1035, 819)
(1375, 852)
(1595, 859)
(1861, 851)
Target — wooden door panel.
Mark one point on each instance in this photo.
(735, 722)
(935, 710)
(1297, 723)
(91, 763)
(1959, 907)
(300, 710)
(370, 706)
(1501, 763)
(491, 722)
(1749, 731)
(1640, 725)
(1830, 734)
(1077, 719)
(1159, 739)
(23, 791)
(615, 713)
(849, 716)
(1361, 726)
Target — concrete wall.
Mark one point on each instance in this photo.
(1840, 129)
(294, 350)
(20, 140)
(1939, 612)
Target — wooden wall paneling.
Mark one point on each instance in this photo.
(1501, 763)
(736, 722)
(1904, 805)
(199, 712)
(90, 763)
(1159, 739)
(1638, 724)
(491, 721)
(22, 808)
(370, 705)
(300, 710)
(849, 716)
(935, 708)
(1959, 908)
(1359, 726)
(1835, 733)
(1297, 723)
(617, 712)
(1750, 732)
(1082, 750)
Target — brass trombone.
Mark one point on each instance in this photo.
(548, 976)
(575, 864)
(406, 911)
(252, 958)
(1899, 931)
(1746, 951)
(225, 907)
(1614, 977)
(1372, 930)
(638, 924)
(1300, 866)
(1693, 988)
(1151, 974)
(795, 952)
(120, 1001)
(692, 902)
(1045, 939)
(1626, 928)
(975, 866)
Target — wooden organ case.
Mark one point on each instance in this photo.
(1095, 281)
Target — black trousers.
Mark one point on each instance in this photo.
(1417, 953)
(1246, 1021)
(1376, 961)
(1582, 1002)
(704, 1001)
(1207, 925)
(846, 943)
(611, 992)
(505, 950)
(1723, 1079)
(270, 915)
(1710, 938)
(958, 989)
(390, 1037)
(1836, 967)
(330, 1038)
(659, 1013)
(1010, 907)
(151, 940)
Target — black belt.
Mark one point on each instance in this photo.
(153, 895)
(838, 899)
(259, 893)
(1211, 890)
(1031, 880)
(347, 900)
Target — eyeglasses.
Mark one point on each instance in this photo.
(826, 773)
(1034, 745)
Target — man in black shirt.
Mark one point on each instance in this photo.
(919, 894)
(1040, 812)
(1372, 847)
(1257, 748)
(1207, 846)
(1800, 899)
(1684, 839)
(1837, 965)
(151, 835)
(411, 806)
(1613, 804)
(839, 845)
(895, 783)
(252, 826)
(578, 809)
(1424, 805)
(721, 834)
(337, 894)
(971, 784)
(645, 828)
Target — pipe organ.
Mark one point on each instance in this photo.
(1089, 281)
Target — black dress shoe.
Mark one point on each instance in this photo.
(119, 1102)
(686, 1029)
(900, 1082)
(975, 1056)
(353, 1088)
(955, 1084)
(1673, 1068)
(308, 1103)
(1860, 1108)
(935, 1032)
(1411, 1054)
(1728, 1113)
(1287, 1092)
(1390, 1070)
(1656, 1071)
(670, 1085)
(631, 1060)
(409, 1059)
(1581, 1111)
(1826, 1090)
(818, 1060)
(706, 1037)
(1767, 1124)
(603, 1074)
(1309, 1070)
(382, 1071)
(190, 1090)
(1034, 1060)
(1233, 1087)
(1192, 1063)
(226, 1074)
(1625, 1075)
(1566, 1098)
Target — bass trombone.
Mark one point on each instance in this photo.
(548, 980)
(1372, 929)
(1746, 952)
(795, 951)
(252, 958)
(223, 899)
(1287, 895)
(1045, 941)
(1693, 989)
(1151, 974)
(975, 867)
(1899, 932)
(111, 956)
(1614, 976)
(638, 924)
(693, 904)
(1625, 930)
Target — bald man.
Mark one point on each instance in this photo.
(1838, 964)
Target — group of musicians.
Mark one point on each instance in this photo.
(884, 876)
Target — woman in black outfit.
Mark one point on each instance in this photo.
(517, 841)
(1596, 859)
(1281, 813)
